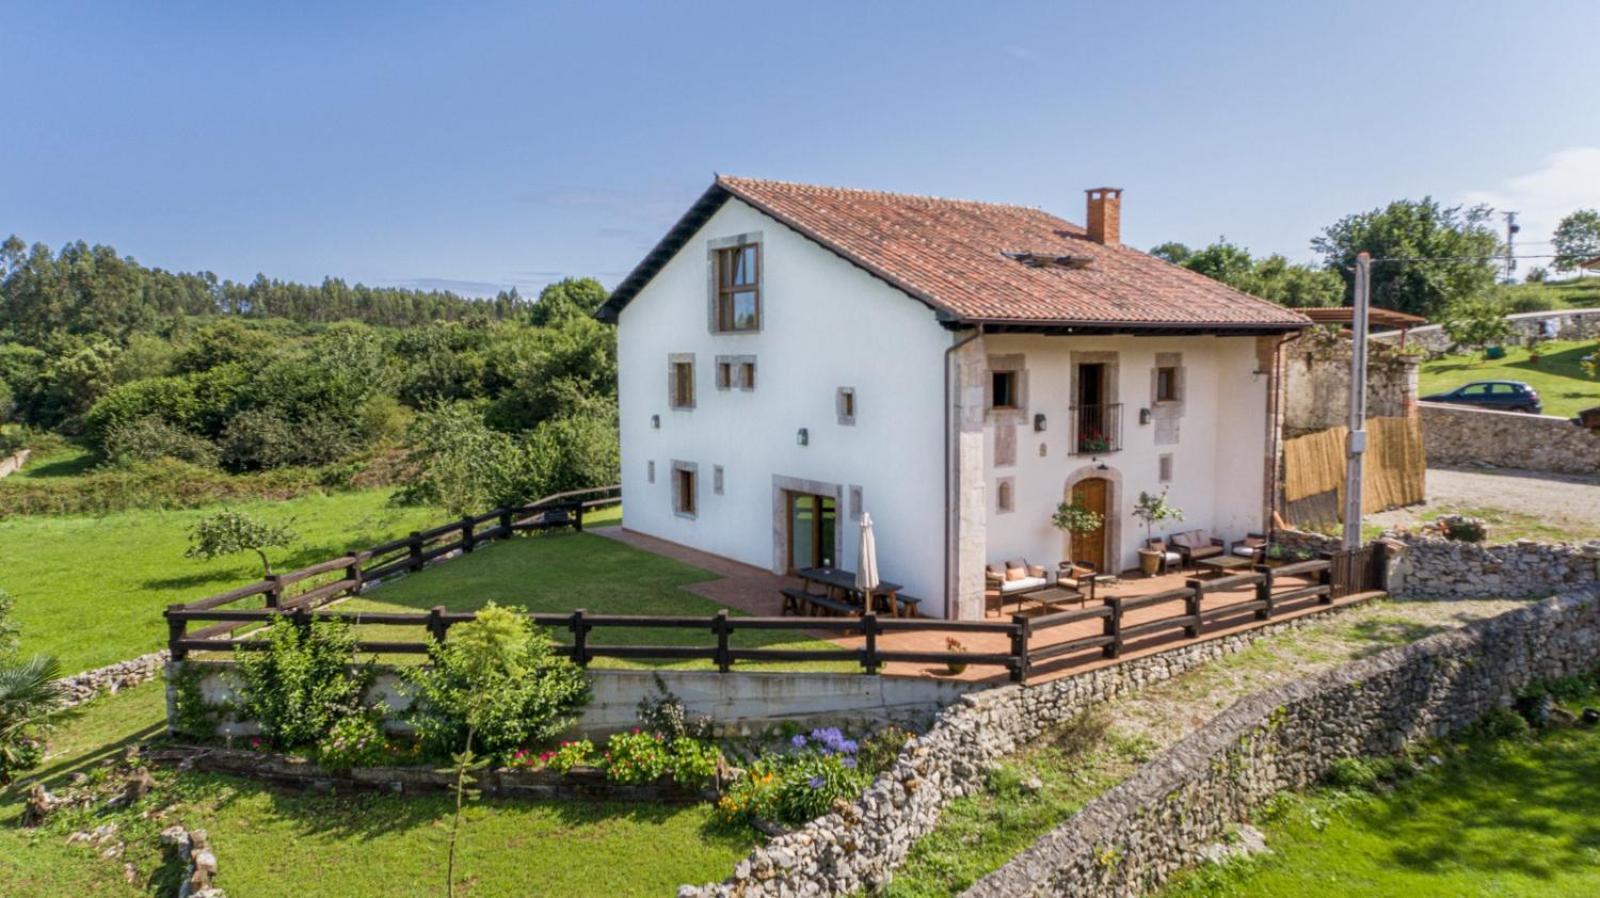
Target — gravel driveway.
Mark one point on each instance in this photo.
(1528, 499)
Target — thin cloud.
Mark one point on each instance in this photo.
(465, 288)
(1569, 180)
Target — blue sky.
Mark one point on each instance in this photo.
(481, 145)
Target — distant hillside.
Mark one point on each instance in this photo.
(1575, 293)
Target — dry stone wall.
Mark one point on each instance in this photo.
(1131, 839)
(1316, 386)
(1460, 435)
(1432, 567)
(1566, 324)
(859, 845)
(112, 678)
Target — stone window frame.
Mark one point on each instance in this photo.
(782, 484)
(716, 480)
(1165, 464)
(714, 247)
(1005, 495)
(845, 406)
(674, 401)
(650, 472)
(741, 371)
(857, 505)
(1017, 365)
(692, 470)
(1112, 362)
(1167, 414)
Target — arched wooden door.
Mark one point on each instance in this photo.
(1093, 494)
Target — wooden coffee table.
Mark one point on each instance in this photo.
(1051, 596)
(1221, 565)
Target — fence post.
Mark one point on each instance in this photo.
(353, 571)
(414, 550)
(302, 622)
(505, 522)
(1021, 630)
(577, 516)
(580, 638)
(274, 592)
(1113, 628)
(467, 537)
(437, 628)
(720, 626)
(1191, 608)
(869, 655)
(177, 628)
(1264, 592)
(1325, 578)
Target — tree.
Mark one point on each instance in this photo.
(1477, 322)
(1435, 255)
(231, 532)
(1172, 251)
(568, 298)
(1273, 278)
(1577, 238)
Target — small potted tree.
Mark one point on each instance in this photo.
(1151, 509)
(1075, 519)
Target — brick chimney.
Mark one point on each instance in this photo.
(1105, 215)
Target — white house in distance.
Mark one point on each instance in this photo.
(793, 355)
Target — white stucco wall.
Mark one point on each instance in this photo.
(1218, 460)
(826, 324)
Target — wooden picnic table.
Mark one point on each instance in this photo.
(842, 583)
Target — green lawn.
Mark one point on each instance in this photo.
(1562, 384)
(90, 590)
(1512, 820)
(558, 572)
(270, 843)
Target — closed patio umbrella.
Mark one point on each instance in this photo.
(867, 562)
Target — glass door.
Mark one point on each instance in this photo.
(812, 520)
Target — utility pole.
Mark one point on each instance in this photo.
(1357, 446)
(1512, 229)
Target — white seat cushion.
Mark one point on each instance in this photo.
(1173, 558)
(1024, 583)
(1244, 551)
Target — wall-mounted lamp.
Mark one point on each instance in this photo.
(1102, 467)
(1038, 423)
(655, 422)
(1144, 416)
(803, 437)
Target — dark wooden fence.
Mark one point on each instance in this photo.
(1027, 641)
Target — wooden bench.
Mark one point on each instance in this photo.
(823, 604)
(907, 605)
(795, 600)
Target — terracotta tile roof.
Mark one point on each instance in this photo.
(952, 255)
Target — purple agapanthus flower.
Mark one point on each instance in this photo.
(798, 741)
(849, 762)
(816, 782)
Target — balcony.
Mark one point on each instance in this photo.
(1096, 429)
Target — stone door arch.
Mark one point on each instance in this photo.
(1112, 560)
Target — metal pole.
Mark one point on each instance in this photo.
(1358, 402)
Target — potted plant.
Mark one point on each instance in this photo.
(952, 644)
(1151, 509)
(1076, 519)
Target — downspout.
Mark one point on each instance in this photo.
(949, 475)
(1275, 416)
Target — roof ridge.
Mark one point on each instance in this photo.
(736, 180)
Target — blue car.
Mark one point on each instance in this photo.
(1503, 395)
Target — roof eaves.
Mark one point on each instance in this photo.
(667, 247)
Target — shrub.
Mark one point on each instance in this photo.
(665, 713)
(149, 438)
(497, 678)
(1501, 723)
(1352, 773)
(880, 750)
(1477, 323)
(635, 758)
(811, 784)
(353, 741)
(1530, 302)
(167, 399)
(753, 796)
(1463, 528)
(692, 762)
(303, 683)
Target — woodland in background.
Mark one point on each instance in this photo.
(174, 380)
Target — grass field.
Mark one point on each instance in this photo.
(90, 590)
(271, 843)
(1561, 382)
(1511, 819)
(1573, 293)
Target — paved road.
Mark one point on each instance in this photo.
(1557, 499)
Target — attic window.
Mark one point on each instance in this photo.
(1050, 260)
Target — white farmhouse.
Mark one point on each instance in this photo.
(791, 356)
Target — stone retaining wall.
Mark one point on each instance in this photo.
(1571, 324)
(1460, 435)
(1132, 838)
(858, 846)
(1316, 386)
(11, 464)
(1432, 567)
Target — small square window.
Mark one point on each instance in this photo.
(1167, 384)
(650, 472)
(724, 375)
(844, 404)
(716, 479)
(1164, 468)
(747, 376)
(1003, 389)
(1005, 496)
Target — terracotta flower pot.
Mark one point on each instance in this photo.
(1149, 562)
